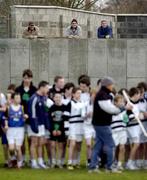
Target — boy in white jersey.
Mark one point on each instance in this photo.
(89, 132)
(84, 84)
(133, 128)
(77, 114)
(119, 133)
(141, 154)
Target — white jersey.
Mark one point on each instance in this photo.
(65, 101)
(132, 120)
(77, 114)
(118, 123)
(85, 97)
(89, 109)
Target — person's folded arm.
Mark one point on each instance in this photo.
(109, 107)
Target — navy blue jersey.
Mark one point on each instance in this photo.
(15, 118)
(37, 112)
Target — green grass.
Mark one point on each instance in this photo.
(57, 174)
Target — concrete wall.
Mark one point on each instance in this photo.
(53, 21)
(124, 60)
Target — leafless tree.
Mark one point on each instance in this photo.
(126, 6)
(76, 4)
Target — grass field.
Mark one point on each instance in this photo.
(64, 174)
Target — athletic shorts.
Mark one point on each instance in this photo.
(59, 139)
(41, 132)
(47, 134)
(134, 134)
(119, 137)
(15, 136)
(76, 137)
(89, 131)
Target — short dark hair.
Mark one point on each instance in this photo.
(121, 91)
(142, 85)
(11, 87)
(42, 84)
(85, 80)
(68, 86)
(83, 76)
(57, 78)
(98, 81)
(31, 23)
(15, 94)
(27, 72)
(133, 91)
(75, 89)
(74, 20)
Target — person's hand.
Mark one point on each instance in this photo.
(107, 36)
(141, 116)
(145, 114)
(26, 116)
(71, 36)
(129, 107)
(89, 115)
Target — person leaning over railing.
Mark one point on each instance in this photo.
(104, 31)
(74, 30)
(31, 31)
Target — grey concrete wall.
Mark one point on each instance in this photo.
(53, 21)
(124, 60)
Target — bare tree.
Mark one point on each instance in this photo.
(126, 6)
(76, 4)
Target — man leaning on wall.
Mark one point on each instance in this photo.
(31, 31)
(74, 30)
(104, 31)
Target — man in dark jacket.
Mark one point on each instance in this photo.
(102, 116)
(104, 31)
(26, 90)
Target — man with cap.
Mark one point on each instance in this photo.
(102, 117)
(31, 31)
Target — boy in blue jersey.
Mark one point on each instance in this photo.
(38, 123)
(14, 127)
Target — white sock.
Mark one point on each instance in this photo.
(19, 163)
(34, 162)
(40, 160)
(119, 163)
(54, 161)
(69, 162)
(130, 161)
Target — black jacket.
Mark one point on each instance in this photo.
(104, 108)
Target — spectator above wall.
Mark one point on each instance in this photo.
(53, 21)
